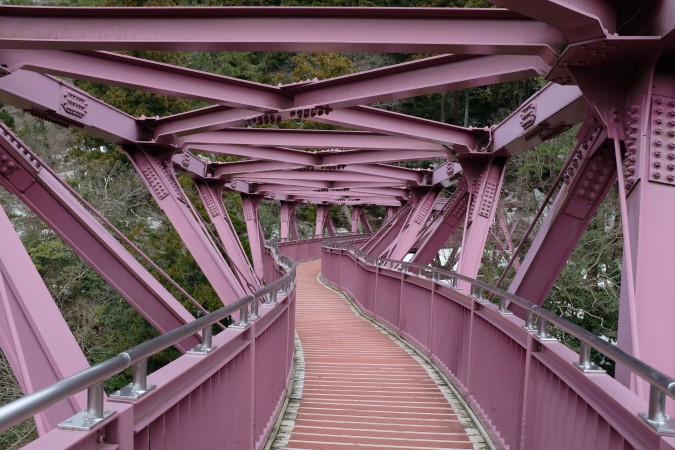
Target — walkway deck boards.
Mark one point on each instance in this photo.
(361, 389)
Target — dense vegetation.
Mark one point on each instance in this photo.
(104, 324)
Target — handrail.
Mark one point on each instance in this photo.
(90, 378)
(322, 237)
(661, 384)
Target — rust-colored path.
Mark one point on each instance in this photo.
(361, 389)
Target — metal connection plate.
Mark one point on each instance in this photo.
(667, 428)
(590, 368)
(82, 422)
(129, 394)
(199, 350)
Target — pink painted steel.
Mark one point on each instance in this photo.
(286, 155)
(424, 30)
(443, 225)
(646, 327)
(256, 239)
(34, 337)
(29, 180)
(322, 219)
(396, 124)
(322, 158)
(41, 95)
(136, 73)
(231, 395)
(389, 230)
(485, 183)
(358, 118)
(568, 216)
(156, 171)
(446, 74)
(357, 213)
(211, 195)
(211, 118)
(305, 138)
(580, 20)
(288, 227)
(553, 109)
(336, 157)
(365, 223)
(527, 392)
(415, 222)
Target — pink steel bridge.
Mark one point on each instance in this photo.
(611, 68)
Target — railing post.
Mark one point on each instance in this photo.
(254, 311)
(585, 364)
(503, 308)
(656, 416)
(207, 343)
(138, 387)
(542, 333)
(529, 326)
(243, 315)
(477, 293)
(95, 401)
(272, 297)
(92, 416)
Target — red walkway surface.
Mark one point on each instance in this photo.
(361, 389)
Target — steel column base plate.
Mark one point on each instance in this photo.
(200, 350)
(668, 427)
(589, 368)
(82, 422)
(129, 394)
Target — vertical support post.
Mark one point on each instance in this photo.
(645, 327)
(256, 239)
(485, 181)
(288, 227)
(356, 214)
(330, 227)
(365, 223)
(95, 401)
(322, 212)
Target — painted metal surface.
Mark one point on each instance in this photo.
(522, 387)
(248, 365)
(610, 67)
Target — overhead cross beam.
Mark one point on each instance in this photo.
(578, 19)
(424, 30)
(305, 138)
(438, 74)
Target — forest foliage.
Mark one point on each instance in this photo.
(103, 323)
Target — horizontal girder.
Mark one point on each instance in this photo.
(424, 30)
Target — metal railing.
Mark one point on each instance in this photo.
(341, 236)
(92, 378)
(661, 385)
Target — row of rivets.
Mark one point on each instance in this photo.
(632, 133)
(662, 155)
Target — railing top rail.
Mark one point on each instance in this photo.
(658, 379)
(27, 406)
(321, 238)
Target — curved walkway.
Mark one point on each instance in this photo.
(361, 388)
